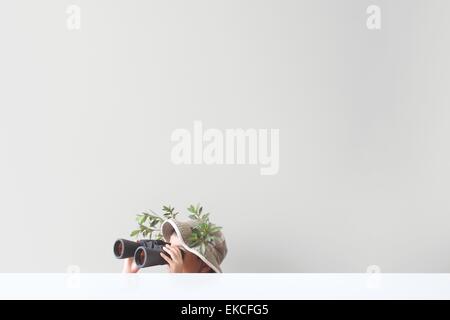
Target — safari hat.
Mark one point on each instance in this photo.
(215, 252)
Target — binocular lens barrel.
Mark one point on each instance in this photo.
(147, 257)
(125, 248)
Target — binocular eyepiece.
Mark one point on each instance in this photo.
(146, 253)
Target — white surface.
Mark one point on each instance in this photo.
(225, 286)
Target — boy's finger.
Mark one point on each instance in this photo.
(173, 250)
(178, 252)
(165, 257)
(169, 252)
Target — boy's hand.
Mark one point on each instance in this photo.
(173, 258)
(129, 266)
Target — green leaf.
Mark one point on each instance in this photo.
(134, 233)
(154, 223)
(191, 209)
(142, 219)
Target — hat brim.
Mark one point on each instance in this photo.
(170, 226)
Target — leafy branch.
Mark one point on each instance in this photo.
(149, 223)
(203, 233)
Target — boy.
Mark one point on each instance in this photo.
(177, 234)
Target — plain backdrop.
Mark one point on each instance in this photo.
(86, 117)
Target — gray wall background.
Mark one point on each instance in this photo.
(86, 118)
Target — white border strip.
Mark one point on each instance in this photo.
(238, 286)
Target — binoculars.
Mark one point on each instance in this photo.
(146, 253)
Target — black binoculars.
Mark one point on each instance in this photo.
(146, 253)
